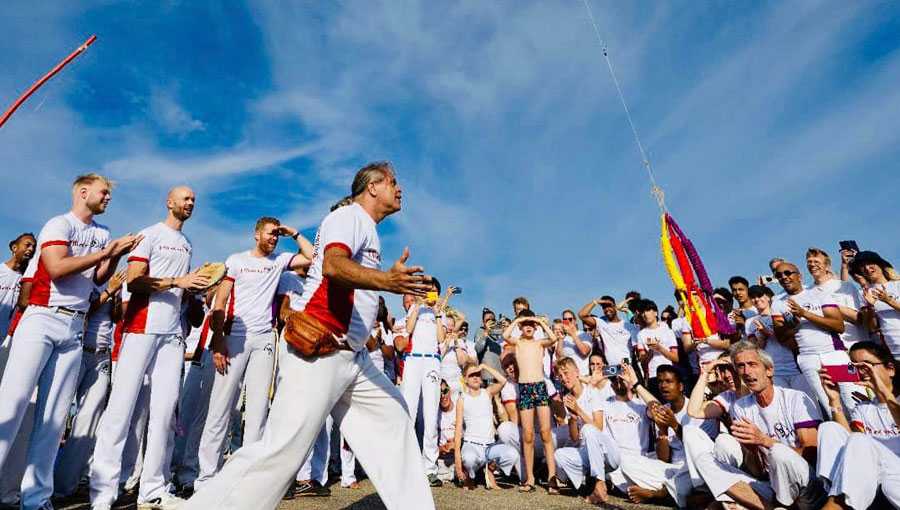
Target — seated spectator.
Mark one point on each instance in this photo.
(446, 432)
(859, 455)
(593, 451)
(596, 379)
(667, 474)
(474, 445)
(776, 431)
(761, 331)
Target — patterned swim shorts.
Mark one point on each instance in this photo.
(533, 395)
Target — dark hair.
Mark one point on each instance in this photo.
(600, 354)
(266, 220)
(567, 310)
(879, 351)
(756, 291)
(436, 283)
(464, 324)
(647, 304)
(726, 293)
(525, 313)
(738, 279)
(608, 298)
(19, 238)
(341, 203)
(485, 311)
(382, 314)
(670, 369)
(671, 311)
(633, 294)
(521, 300)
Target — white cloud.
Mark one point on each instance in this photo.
(170, 115)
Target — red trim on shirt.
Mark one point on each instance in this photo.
(136, 315)
(229, 315)
(339, 245)
(332, 304)
(118, 337)
(17, 315)
(201, 345)
(40, 288)
(138, 259)
(55, 243)
(229, 278)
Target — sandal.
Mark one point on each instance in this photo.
(552, 486)
(526, 487)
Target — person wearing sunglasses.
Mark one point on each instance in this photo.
(812, 318)
(860, 453)
(575, 345)
(881, 295)
(446, 431)
(474, 444)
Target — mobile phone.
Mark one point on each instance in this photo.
(431, 296)
(457, 290)
(766, 279)
(612, 370)
(846, 373)
(849, 245)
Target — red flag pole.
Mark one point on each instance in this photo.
(44, 79)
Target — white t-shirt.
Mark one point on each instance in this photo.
(726, 400)
(570, 350)
(10, 282)
(167, 253)
(72, 291)
(876, 420)
(509, 394)
(255, 280)
(618, 340)
(889, 318)
(845, 294)
(811, 339)
(789, 410)
(424, 338)
(628, 424)
(666, 338)
(291, 285)
(346, 312)
(589, 401)
(784, 359)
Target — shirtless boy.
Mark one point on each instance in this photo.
(533, 392)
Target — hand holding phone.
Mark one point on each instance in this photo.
(612, 370)
(845, 373)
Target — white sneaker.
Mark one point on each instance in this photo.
(165, 502)
(101, 506)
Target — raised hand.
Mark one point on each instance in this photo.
(116, 281)
(403, 279)
(830, 387)
(123, 244)
(192, 282)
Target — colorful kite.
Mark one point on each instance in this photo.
(691, 282)
(18, 102)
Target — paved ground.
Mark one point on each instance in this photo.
(447, 498)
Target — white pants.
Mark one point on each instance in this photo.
(16, 460)
(476, 456)
(159, 357)
(794, 382)
(192, 412)
(832, 438)
(655, 474)
(348, 464)
(133, 454)
(251, 361)
(809, 366)
(421, 376)
(374, 421)
(596, 455)
(315, 466)
(90, 400)
(864, 464)
(46, 353)
(718, 464)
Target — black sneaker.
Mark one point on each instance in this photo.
(311, 489)
(434, 481)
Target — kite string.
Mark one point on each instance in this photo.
(655, 190)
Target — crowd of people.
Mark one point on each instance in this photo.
(155, 379)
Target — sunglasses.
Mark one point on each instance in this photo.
(785, 274)
(445, 391)
(474, 374)
(568, 319)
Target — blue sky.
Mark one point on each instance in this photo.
(772, 127)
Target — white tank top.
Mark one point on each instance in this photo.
(478, 417)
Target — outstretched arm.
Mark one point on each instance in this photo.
(399, 279)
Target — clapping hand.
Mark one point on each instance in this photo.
(116, 281)
(403, 279)
(749, 434)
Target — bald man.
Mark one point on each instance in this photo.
(152, 345)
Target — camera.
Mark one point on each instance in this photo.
(612, 370)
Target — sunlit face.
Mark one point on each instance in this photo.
(96, 195)
(873, 273)
(518, 307)
(388, 192)
(558, 329)
(649, 316)
(753, 373)
(739, 291)
(881, 371)
(181, 203)
(761, 302)
(23, 249)
(408, 300)
(726, 375)
(817, 265)
(609, 310)
(445, 395)
(569, 319)
(568, 376)
(669, 386)
(788, 276)
(473, 378)
(267, 238)
(527, 329)
(596, 364)
(511, 371)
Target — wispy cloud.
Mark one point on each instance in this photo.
(170, 115)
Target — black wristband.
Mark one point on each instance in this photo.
(635, 385)
(295, 236)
